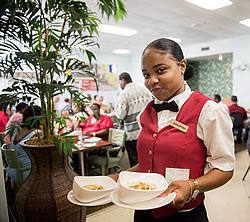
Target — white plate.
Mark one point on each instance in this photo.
(104, 200)
(89, 144)
(146, 205)
(92, 140)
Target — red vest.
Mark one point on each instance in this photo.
(172, 148)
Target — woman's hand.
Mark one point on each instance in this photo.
(182, 190)
(115, 177)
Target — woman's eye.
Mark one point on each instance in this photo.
(161, 70)
(146, 75)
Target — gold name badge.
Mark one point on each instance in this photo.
(178, 125)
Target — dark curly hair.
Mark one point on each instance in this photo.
(28, 121)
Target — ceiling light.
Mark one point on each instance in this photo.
(121, 51)
(220, 57)
(245, 22)
(117, 30)
(210, 4)
(174, 39)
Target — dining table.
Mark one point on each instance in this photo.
(84, 147)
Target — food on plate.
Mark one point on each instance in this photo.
(141, 186)
(93, 187)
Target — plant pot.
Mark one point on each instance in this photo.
(43, 196)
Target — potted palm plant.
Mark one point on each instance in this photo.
(39, 36)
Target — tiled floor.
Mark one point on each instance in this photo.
(230, 203)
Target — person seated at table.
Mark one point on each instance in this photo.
(78, 113)
(28, 129)
(4, 118)
(97, 124)
(104, 106)
(15, 120)
(69, 123)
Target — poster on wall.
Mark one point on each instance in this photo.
(106, 76)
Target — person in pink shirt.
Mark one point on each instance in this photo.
(16, 119)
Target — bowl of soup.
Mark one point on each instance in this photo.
(91, 188)
(136, 187)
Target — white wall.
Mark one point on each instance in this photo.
(241, 70)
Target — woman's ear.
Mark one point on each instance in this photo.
(183, 65)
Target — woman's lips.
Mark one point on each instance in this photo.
(156, 91)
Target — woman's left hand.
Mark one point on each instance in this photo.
(182, 190)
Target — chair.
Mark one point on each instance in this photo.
(117, 138)
(13, 162)
(238, 126)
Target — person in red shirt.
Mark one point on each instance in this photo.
(4, 118)
(97, 124)
(234, 108)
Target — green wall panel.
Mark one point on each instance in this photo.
(212, 77)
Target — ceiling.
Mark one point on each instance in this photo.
(176, 18)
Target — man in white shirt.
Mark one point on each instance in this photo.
(131, 101)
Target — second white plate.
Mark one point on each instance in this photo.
(87, 145)
(104, 200)
(92, 140)
(146, 205)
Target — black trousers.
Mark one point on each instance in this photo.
(132, 152)
(198, 214)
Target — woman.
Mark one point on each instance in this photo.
(97, 124)
(15, 120)
(200, 132)
(28, 129)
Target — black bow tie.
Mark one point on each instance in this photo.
(172, 106)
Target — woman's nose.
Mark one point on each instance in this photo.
(153, 80)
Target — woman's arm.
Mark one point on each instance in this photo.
(100, 133)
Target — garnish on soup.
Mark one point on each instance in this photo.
(93, 187)
(142, 186)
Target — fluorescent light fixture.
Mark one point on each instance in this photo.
(245, 22)
(121, 51)
(117, 30)
(174, 39)
(210, 4)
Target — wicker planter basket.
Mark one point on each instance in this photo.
(43, 196)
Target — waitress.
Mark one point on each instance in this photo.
(182, 131)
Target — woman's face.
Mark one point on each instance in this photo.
(164, 76)
(96, 111)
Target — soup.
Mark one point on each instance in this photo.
(142, 186)
(93, 187)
